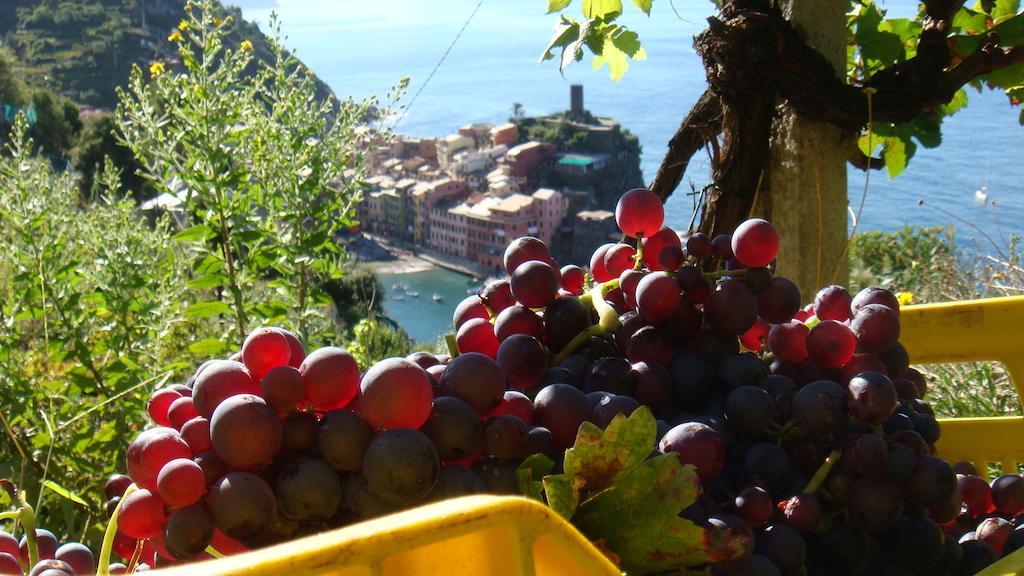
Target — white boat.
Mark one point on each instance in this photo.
(981, 195)
(437, 297)
(398, 298)
(412, 293)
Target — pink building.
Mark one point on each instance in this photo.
(522, 159)
(426, 195)
(506, 134)
(481, 231)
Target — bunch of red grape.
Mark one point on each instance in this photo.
(55, 559)
(805, 424)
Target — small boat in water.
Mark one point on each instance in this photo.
(412, 293)
(437, 297)
(398, 298)
(398, 286)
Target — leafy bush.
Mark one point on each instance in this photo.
(102, 305)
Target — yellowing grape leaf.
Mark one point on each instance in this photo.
(617, 495)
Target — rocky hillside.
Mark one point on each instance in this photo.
(85, 48)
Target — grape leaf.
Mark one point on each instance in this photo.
(598, 458)
(566, 30)
(606, 9)
(617, 47)
(556, 5)
(644, 5)
(206, 309)
(894, 151)
(629, 503)
(530, 472)
(64, 492)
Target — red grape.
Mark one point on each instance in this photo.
(219, 380)
(524, 361)
(731, 309)
(671, 258)
(611, 405)
(181, 483)
(755, 243)
(572, 279)
(802, 511)
(9, 564)
(695, 287)
(518, 320)
(159, 403)
(46, 542)
(754, 504)
(535, 284)
(619, 258)
(283, 388)
(1008, 494)
(756, 337)
(833, 303)
(516, 404)
(330, 378)
(561, 409)
(994, 532)
(697, 444)
(114, 486)
(721, 245)
(523, 250)
(831, 344)
(396, 393)
(871, 397)
(780, 302)
(150, 450)
(471, 307)
(655, 244)
(263, 349)
(181, 411)
(597, 268)
(246, 433)
(297, 353)
(628, 282)
(874, 295)
(505, 437)
(639, 213)
(497, 296)
(141, 515)
(976, 495)
(242, 505)
(877, 327)
(657, 296)
(698, 245)
(477, 335)
(196, 433)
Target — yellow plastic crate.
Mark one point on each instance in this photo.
(965, 332)
(470, 536)
(508, 536)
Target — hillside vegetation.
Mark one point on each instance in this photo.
(84, 49)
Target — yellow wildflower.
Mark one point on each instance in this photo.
(183, 25)
(217, 21)
(246, 45)
(904, 298)
(175, 37)
(156, 69)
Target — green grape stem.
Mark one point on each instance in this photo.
(103, 565)
(453, 346)
(608, 319)
(819, 477)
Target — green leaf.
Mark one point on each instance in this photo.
(64, 492)
(560, 495)
(556, 5)
(894, 151)
(566, 31)
(598, 458)
(638, 518)
(956, 104)
(207, 309)
(197, 233)
(644, 5)
(530, 472)
(208, 347)
(875, 44)
(616, 49)
(212, 280)
(604, 9)
(970, 21)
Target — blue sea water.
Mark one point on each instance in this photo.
(363, 48)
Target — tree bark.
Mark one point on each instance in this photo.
(806, 199)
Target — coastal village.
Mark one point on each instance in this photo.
(460, 198)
